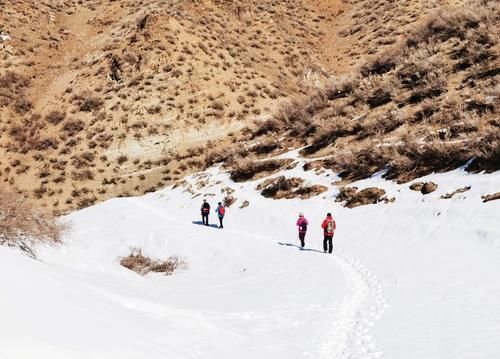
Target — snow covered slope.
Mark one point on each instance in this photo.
(417, 278)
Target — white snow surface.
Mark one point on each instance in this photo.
(417, 278)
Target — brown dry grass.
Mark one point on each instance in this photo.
(155, 81)
(353, 198)
(491, 197)
(408, 87)
(282, 187)
(429, 102)
(22, 225)
(251, 169)
(143, 265)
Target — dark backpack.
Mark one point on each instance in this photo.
(206, 208)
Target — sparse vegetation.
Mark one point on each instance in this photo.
(415, 91)
(143, 265)
(457, 191)
(22, 225)
(247, 169)
(138, 83)
(353, 198)
(401, 112)
(491, 197)
(282, 187)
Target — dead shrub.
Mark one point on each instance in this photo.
(87, 102)
(122, 159)
(376, 90)
(358, 164)
(282, 187)
(265, 147)
(491, 197)
(327, 133)
(22, 225)
(72, 127)
(245, 170)
(341, 87)
(379, 65)
(143, 265)
(457, 191)
(279, 187)
(55, 117)
(444, 24)
(228, 200)
(84, 175)
(23, 105)
(354, 198)
(13, 89)
(487, 154)
(267, 126)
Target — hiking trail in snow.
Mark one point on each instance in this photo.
(250, 291)
(348, 334)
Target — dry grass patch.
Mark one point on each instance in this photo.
(22, 225)
(143, 265)
(353, 198)
(491, 197)
(457, 191)
(428, 103)
(228, 200)
(282, 187)
(247, 169)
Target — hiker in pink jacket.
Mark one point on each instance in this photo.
(302, 225)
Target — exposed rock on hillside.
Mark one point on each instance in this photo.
(353, 198)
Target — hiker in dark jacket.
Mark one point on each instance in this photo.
(329, 227)
(302, 224)
(205, 211)
(221, 211)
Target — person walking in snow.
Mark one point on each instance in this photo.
(329, 227)
(221, 211)
(205, 211)
(302, 225)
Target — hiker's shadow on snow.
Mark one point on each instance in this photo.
(200, 223)
(299, 247)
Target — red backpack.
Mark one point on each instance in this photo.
(222, 211)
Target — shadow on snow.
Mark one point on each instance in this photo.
(200, 223)
(299, 247)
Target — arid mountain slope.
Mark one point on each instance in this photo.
(102, 98)
(427, 101)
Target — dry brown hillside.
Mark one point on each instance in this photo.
(105, 98)
(424, 97)
(108, 98)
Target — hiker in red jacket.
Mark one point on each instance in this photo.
(329, 227)
(302, 224)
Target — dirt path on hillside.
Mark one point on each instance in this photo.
(332, 46)
(78, 44)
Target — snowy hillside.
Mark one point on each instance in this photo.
(413, 279)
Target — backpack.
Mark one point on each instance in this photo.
(329, 226)
(222, 211)
(303, 226)
(206, 208)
